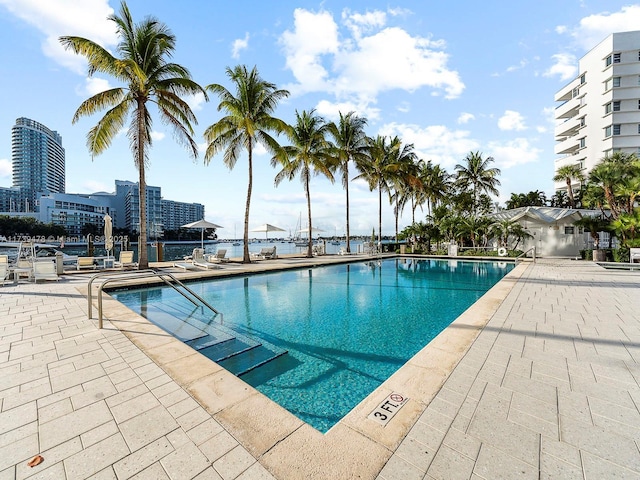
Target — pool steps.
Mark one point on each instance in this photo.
(236, 352)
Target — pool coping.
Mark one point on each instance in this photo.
(289, 448)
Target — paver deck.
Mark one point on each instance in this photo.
(547, 389)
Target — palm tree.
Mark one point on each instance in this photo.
(307, 154)
(143, 67)
(248, 122)
(477, 174)
(376, 169)
(568, 173)
(402, 177)
(350, 144)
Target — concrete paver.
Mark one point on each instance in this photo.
(549, 388)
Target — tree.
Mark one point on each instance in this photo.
(568, 173)
(308, 154)
(350, 144)
(476, 174)
(247, 122)
(149, 77)
(535, 198)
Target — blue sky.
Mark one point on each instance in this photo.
(449, 77)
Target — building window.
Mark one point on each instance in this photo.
(583, 122)
(616, 106)
(616, 57)
(583, 142)
(616, 129)
(616, 82)
(607, 108)
(569, 230)
(608, 61)
(583, 78)
(607, 131)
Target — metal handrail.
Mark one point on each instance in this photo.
(142, 274)
(519, 257)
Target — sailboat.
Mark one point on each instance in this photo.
(235, 243)
(297, 239)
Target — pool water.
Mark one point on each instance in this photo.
(345, 328)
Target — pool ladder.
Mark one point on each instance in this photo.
(165, 277)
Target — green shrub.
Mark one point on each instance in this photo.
(586, 254)
(621, 254)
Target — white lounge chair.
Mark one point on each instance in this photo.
(219, 256)
(4, 272)
(45, 270)
(267, 253)
(125, 260)
(86, 263)
(199, 261)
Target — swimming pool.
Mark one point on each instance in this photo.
(331, 334)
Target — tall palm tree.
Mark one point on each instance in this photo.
(247, 122)
(308, 154)
(435, 182)
(376, 169)
(402, 176)
(149, 77)
(350, 144)
(477, 174)
(569, 173)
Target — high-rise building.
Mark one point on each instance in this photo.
(599, 111)
(38, 162)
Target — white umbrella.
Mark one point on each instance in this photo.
(202, 224)
(108, 234)
(266, 228)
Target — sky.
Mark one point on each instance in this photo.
(448, 77)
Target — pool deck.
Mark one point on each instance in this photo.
(538, 379)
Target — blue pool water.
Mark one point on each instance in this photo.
(346, 328)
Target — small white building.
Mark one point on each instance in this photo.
(552, 230)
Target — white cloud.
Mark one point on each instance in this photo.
(239, 45)
(365, 59)
(514, 152)
(314, 35)
(595, 28)
(436, 142)
(360, 23)
(157, 135)
(195, 101)
(565, 65)
(511, 120)
(94, 85)
(6, 169)
(331, 110)
(66, 17)
(465, 117)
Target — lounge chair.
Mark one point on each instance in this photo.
(45, 270)
(199, 261)
(125, 260)
(219, 256)
(23, 267)
(4, 272)
(85, 262)
(186, 265)
(267, 253)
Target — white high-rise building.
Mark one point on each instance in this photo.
(599, 113)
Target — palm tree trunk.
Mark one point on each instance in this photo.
(346, 187)
(143, 257)
(379, 215)
(306, 191)
(245, 256)
(572, 202)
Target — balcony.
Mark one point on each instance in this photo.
(569, 109)
(569, 145)
(569, 127)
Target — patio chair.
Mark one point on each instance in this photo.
(45, 270)
(125, 260)
(266, 253)
(199, 261)
(219, 256)
(4, 271)
(85, 263)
